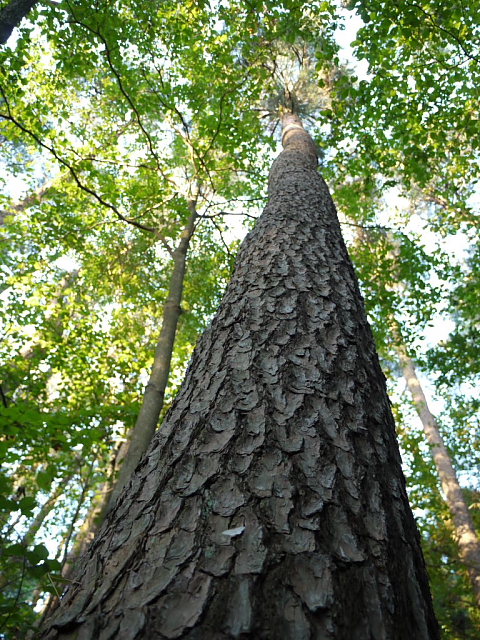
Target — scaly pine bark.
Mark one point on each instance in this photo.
(271, 504)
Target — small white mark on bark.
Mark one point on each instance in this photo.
(233, 532)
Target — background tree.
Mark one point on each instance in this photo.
(404, 294)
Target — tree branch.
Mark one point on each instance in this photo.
(70, 168)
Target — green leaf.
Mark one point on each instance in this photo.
(26, 505)
(44, 480)
(37, 554)
(15, 550)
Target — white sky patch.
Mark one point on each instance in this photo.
(352, 23)
(15, 186)
(67, 263)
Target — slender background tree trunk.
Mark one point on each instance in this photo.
(465, 534)
(147, 421)
(47, 507)
(271, 504)
(464, 530)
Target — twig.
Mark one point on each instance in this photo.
(227, 249)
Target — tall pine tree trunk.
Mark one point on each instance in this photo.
(465, 534)
(271, 504)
